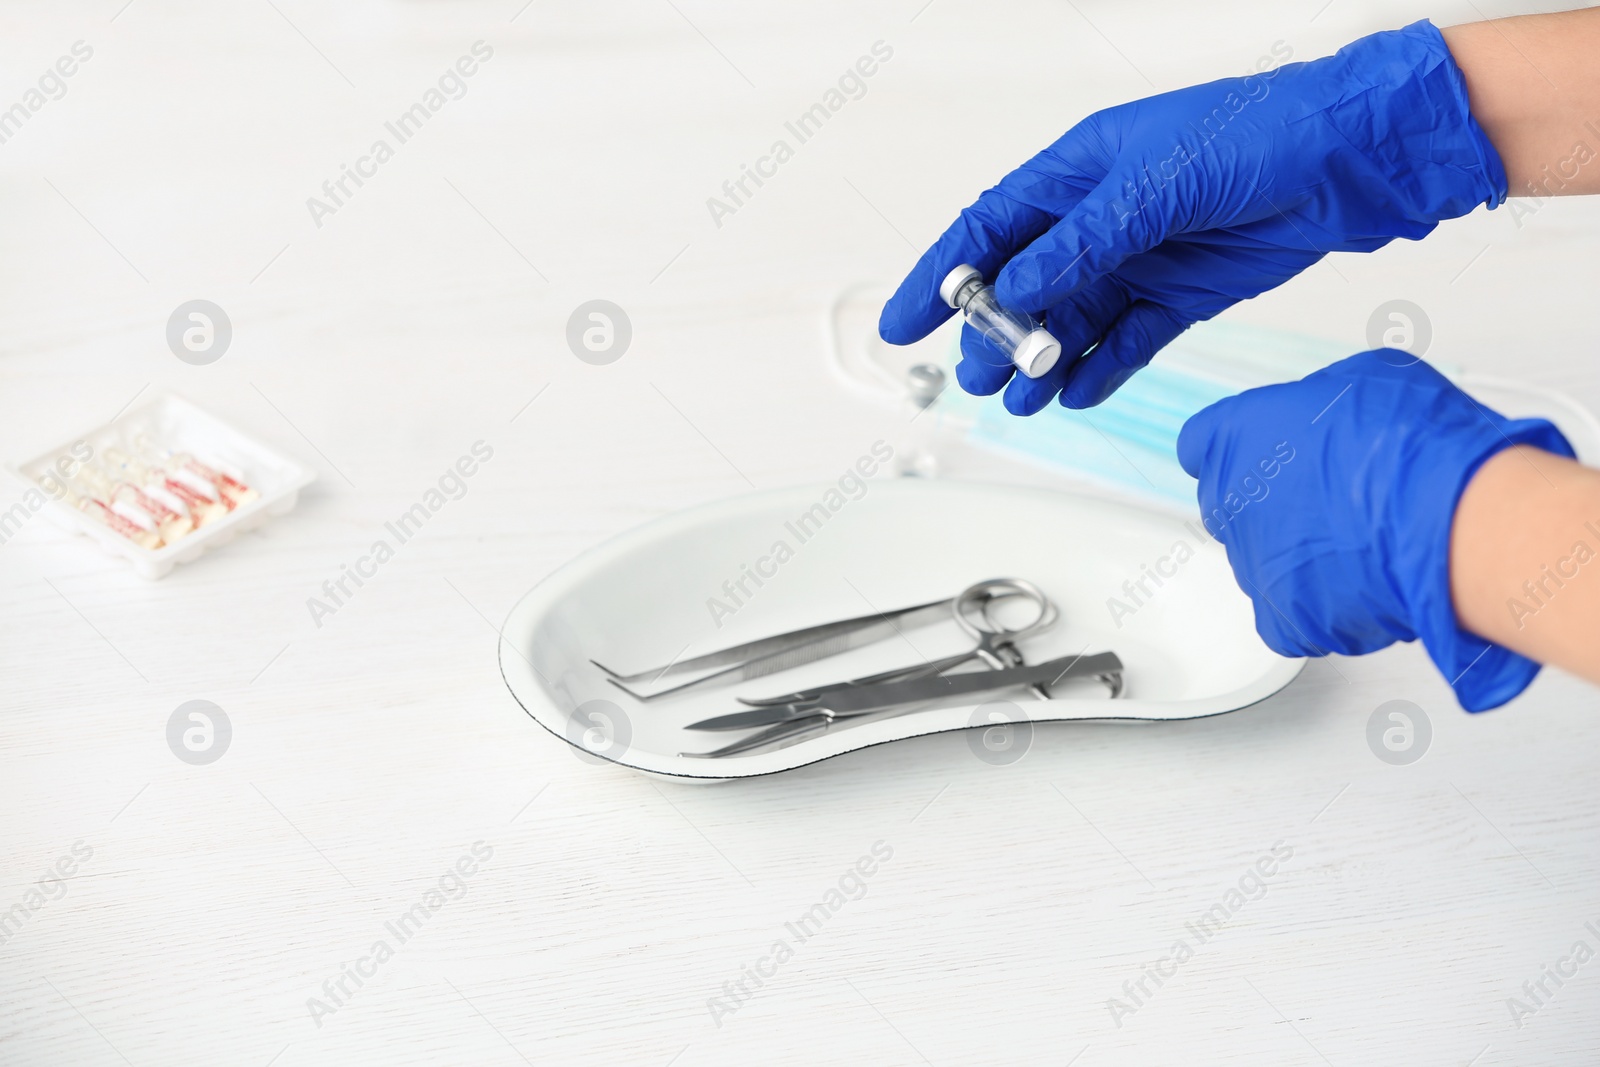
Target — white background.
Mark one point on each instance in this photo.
(370, 753)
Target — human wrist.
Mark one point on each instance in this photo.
(1524, 533)
(1535, 89)
(1483, 534)
(1452, 448)
(1416, 123)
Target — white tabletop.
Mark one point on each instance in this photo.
(1007, 905)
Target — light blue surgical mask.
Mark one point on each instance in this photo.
(1129, 444)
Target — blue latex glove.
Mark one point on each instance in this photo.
(1335, 496)
(1149, 217)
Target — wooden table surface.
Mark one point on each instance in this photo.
(561, 912)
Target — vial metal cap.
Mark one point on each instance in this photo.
(1037, 353)
(955, 280)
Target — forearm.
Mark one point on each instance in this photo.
(1525, 558)
(1534, 87)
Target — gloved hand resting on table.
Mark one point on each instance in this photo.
(1146, 218)
(1334, 496)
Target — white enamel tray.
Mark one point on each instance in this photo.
(1189, 648)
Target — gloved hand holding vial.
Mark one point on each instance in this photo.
(1148, 217)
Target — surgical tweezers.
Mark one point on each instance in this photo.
(769, 655)
(807, 718)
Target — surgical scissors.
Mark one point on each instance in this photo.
(769, 655)
(803, 719)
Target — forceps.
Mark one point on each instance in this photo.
(768, 655)
(996, 647)
(802, 719)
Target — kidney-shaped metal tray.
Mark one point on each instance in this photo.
(1156, 591)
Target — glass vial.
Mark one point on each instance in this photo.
(1029, 345)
